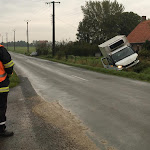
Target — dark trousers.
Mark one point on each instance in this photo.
(3, 108)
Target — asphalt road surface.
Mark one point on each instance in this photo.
(116, 110)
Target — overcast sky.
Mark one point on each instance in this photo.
(15, 13)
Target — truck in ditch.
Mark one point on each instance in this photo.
(118, 54)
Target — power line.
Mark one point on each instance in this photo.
(66, 23)
(40, 11)
(68, 10)
(71, 14)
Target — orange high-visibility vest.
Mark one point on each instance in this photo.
(3, 74)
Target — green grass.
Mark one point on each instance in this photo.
(22, 50)
(143, 76)
(14, 80)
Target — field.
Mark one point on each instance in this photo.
(22, 50)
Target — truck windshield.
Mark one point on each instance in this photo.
(122, 54)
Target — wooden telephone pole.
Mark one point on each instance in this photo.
(27, 36)
(53, 47)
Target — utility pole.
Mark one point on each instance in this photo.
(27, 36)
(14, 39)
(53, 47)
(2, 39)
(7, 40)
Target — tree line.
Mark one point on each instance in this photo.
(102, 20)
(18, 44)
(105, 19)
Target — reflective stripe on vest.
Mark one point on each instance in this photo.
(3, 75)
(2, 123)
(9, 64)
(4, 89)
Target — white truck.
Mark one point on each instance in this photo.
(118, 54)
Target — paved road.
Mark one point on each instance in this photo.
(41, 125)
(116, 110)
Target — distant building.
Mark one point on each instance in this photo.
(140, 34)
(42, 41)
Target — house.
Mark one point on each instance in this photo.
(140, 34)
(42, 42)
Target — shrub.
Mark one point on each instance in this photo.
(42, 49)
(141, 66)
(146, 71)
(144, 53)
(60, 54)
(77, 48)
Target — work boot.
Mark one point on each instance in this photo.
(6, 133)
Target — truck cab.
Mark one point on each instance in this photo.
(118, 54)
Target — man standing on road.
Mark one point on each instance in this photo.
(6, 69)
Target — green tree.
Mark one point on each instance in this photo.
(83, 35)
(127, 21)
(104, 20)
(98, 17)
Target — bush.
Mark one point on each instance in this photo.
(144, 53)
(42, 49)
(60, 54)
(146, 71)
(77, 49)
(141, 66)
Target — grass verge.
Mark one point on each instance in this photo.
(126, 74)
(14, 80)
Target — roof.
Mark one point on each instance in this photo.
(141, 33)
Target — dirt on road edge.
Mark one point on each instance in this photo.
(55, 115)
